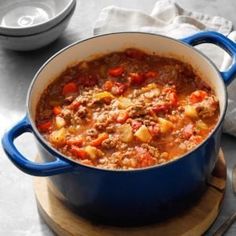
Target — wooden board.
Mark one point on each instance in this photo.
(193, 222)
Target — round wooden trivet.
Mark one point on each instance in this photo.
(193, 222)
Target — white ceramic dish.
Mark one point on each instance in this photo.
(26, 17)
(32, 42)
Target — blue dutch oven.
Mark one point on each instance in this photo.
(126, 196)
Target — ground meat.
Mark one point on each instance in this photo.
(152, 150)
(109, 143)
(82, 112)
(207, 107)
(100, 126)
(137, 110)
(92, 132)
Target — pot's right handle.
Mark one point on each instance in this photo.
(221, 41)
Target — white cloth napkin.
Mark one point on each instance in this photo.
(169, 18)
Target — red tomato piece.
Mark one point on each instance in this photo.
(75, 141)
(116, 71)
(44, 127)
(74, 105)
(69, 88)
(122, 117)
(161, 108)
(98, 141)
(56, 110)
(197, 96)
(78, 152)
(136, 78)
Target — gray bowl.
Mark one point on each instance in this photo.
(35, 41)
(27, 17)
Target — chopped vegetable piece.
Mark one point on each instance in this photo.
(102, 95)
(190, 111)
(125, 133)
(122, 117)
(143, 134)
(56, 110)
(60, 122)
(98, 141)
(93, 152)
(79, 152)
(165, 125)
(58, 137)
(149, 87)
(69, 88)
(201, 125)
(44, 127)
(116, 71)
(78, 141)
(124, 102)
(118, 88)
(136, 78)
(197, 96)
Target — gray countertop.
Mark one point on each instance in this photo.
(18, 211)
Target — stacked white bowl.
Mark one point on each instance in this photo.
(31, 24)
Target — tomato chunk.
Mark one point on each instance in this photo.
(122, 117)
(78, 152)
(197, 96)
(69, 88)
(44, 127)
(98, 141)
(56, 110)
(136, 78)
(116, 71)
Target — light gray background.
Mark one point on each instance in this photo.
(18, 212)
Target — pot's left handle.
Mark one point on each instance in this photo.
(223, 42)
(38, 169)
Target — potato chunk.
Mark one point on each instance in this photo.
(165, 125)
(124, 102)
(190, 111)
(125, 133)
(93, 152)
(60, 122)
(143, 134)
(58, 136)
(102, 95)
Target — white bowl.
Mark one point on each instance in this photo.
(26, 17)
(35, 41)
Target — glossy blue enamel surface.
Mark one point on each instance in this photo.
(221, 41)
(29, 167)
(128, 197)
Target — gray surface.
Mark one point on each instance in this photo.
(18, 212)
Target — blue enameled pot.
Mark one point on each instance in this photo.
(126, 196)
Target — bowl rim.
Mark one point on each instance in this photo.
(69, 15)
(41, 27)
(60, 155)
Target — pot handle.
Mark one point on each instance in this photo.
(221, 41)
(38, 169)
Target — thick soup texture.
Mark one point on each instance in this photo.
(127, 110)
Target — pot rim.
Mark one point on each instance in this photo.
(60, 155)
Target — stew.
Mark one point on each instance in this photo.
(127, 110)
